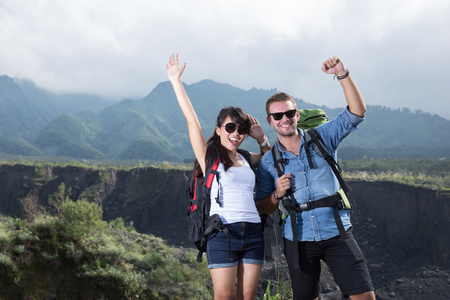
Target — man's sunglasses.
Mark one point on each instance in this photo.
(231, 127)
(278, 116)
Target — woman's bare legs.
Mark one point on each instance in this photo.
(224, 282)
(248, 280)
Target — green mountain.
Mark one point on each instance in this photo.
(37, 122)
(17, 146)
(52, 105)
(19, 115)
(68, 135)
(26, 110)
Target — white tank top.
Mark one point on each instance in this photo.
(235, 195)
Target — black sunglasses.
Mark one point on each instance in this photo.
(279, 115)
(231, 127)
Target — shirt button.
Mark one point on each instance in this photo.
(307, 187)
(312, 217)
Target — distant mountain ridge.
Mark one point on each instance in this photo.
(34, 122)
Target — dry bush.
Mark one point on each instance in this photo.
(30, 206)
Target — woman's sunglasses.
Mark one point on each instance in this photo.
(231, 127)
(279, 115)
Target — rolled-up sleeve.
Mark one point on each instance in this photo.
(264, 177)
(336, 130)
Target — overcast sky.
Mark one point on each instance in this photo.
(397, 51)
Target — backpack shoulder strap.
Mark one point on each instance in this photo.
(314, 140)
(248, 157)
(287, 204)
(278, 161)
(211, 173)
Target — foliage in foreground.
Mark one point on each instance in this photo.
(282, 288)
(73, 254)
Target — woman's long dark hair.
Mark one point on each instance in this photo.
(214, 147)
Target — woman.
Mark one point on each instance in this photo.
(235, 205)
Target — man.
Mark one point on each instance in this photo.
(317, 231)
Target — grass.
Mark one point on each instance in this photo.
(440, 183)
(432, 174)
(92, 164)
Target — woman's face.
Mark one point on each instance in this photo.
(231, 140)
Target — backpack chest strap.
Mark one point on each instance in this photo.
(330, 201)
(335, 201)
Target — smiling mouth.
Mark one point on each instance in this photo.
(233, 141)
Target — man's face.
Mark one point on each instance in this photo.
(285, 126)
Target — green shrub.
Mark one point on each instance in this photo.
(71, 246)
(81, 217)
(118, 223)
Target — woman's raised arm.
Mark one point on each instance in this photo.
(195, 131)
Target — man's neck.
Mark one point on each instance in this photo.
(291, 143)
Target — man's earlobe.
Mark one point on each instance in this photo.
(268, 120)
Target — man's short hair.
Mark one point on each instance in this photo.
(279, 97)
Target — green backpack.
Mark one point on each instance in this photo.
(311, 118)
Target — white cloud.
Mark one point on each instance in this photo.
(396, 50)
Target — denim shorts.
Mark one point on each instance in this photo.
(246, 244)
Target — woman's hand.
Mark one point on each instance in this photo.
(257, 133)
(173, 71)
(256, 130)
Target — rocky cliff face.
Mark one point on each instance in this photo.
(154, 200)
(412, 220)
(401, 229)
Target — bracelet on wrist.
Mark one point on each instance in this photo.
(275, 195)
(266, 140)
(342, 76)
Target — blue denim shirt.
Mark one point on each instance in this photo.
(310, 184)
